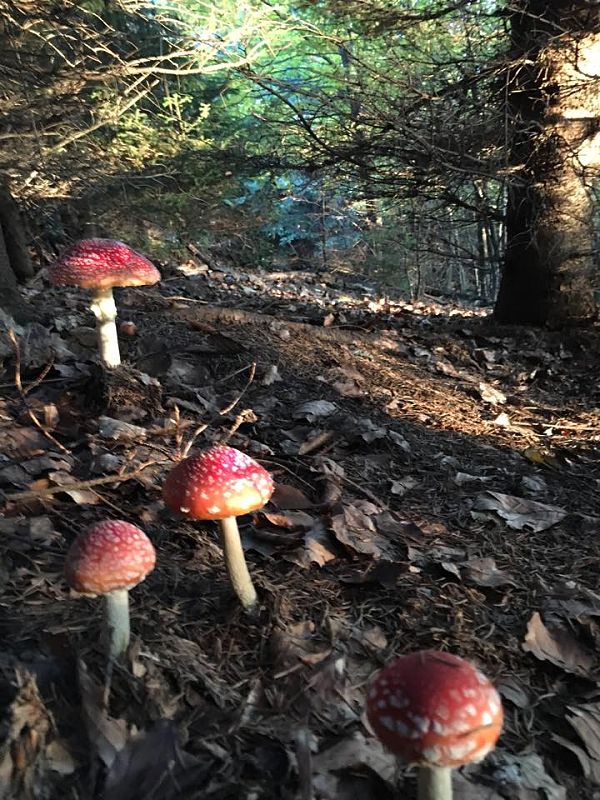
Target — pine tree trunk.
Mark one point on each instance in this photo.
(15, 239)
(15, 261)
(10, 299)
(554, 108)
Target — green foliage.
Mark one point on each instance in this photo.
(147, 135)
(306, 121)
(324, 116)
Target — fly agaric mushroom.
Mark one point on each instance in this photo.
(221, 483)
(99, 265)
(110, 558)
(435, 710)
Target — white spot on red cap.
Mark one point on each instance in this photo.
(494, 703)
(109, 555)
(421, 724)
(480, 753)
(432, 754)
(460, 750)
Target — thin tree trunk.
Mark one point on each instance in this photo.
(496, 240)
(482, 256)
(416, 265)
(15, 239)
(323, 225)
(554, 106)
(10, 299)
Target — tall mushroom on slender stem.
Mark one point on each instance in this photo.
(100, 265)
(110, 558)
(221, 483)
(435, 710)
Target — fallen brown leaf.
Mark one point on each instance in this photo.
(484, 572)
(314, 409)
(107, 735)
(355, 528)
(286, 496)
(558, 646)
(519, 512)
(586, 721)
(346, 381)
(351, 753)
(319, 548)
(291, 520)
(489, 394)
(27, 726)
(153, 765)
(523, 776)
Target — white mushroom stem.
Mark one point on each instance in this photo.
(105, 311)
(434, 783)
(117, 622)
(236, 563)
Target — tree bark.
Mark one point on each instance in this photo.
(554, 111)
(10, 299)
(15, 239)
(15, 261)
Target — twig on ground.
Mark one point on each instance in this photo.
(366, 492)
(186, 449)
(180, 297)
(251, 374)
(233, 374)
(39, 378)
(23, 392)
(247, 415)
(125, 476)
(241, 418)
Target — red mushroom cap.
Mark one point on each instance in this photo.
(109, 555)
(434, 709)
(217, 483)
(102, 264)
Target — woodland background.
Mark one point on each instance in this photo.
(336, 192)
(428, 144)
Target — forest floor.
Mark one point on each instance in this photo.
(437, 486)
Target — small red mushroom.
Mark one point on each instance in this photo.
(110, 558)
(436, 710)
(221, 483)
(99, 265)
(128, 328)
